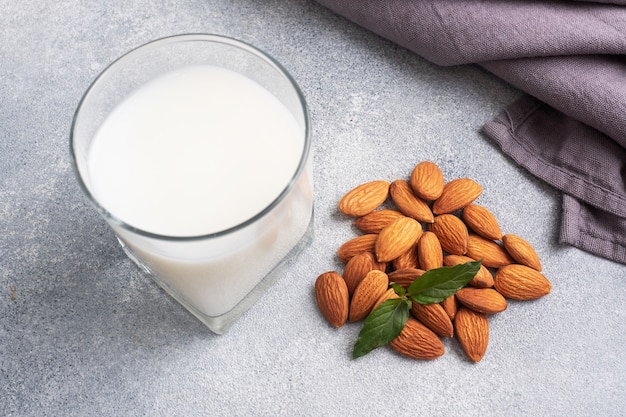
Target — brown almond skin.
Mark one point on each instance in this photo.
(354, 246)
(434, 317)
(450, 306)
(408, 203)
(482, 300)
(387, 295)
(405, 277)
(472, 332)
(364, 198)
(482, 222)
(357, 267)
(407, 260)
(331, 294)
(427, 180)
(482, 279)
(418, 341)
(492, 254)
(521, 251)
(457, 194)
(520, 282)
(376, 221)
(452, 233)
(397, 238)
(429, 251)
(366, 294)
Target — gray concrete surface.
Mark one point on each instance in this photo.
(84, 333)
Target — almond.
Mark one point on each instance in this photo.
(354, 246)
(367, 293)
(427, 180)
(472, 331)
(452, 233)
(482, 279)
(407, 260)
(482, 300)
(408, 203)
(417, 341)
(521, 282)
(357, 267)
(387, 295)
(456, 195)
(376, 221)
(434, 317)
(450, 306)
(397, 238)
(405, 277)
(429, 253)
(521, 251)
(364, 198)
(492, 254)
(332, 298)
(482, 221)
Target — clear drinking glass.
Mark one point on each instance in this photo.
(216, 276)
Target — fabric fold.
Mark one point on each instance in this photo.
(453, 32)
(593, 230)
(588, 88)
(591, 178)
(593, 174)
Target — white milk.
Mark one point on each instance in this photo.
(198, 151)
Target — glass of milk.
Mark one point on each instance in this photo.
(196, 151)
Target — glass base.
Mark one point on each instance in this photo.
(219, 324)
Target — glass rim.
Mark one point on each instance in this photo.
(205, 37)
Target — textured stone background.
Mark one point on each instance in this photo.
(83, 332)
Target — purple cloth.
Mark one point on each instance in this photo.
(570, 57)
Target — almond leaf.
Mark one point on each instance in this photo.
(437, 284)
(382, 326)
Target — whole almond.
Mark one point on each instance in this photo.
(367, 293)
(398, 237)
(452, 233)
(482, 300)
(521, 251)
(405, 277)
(482, 279)
(364, 198)
(472, 331)
(408, 203)
(434, 317)
(357, 267)
(376, 221)
(482, 221)
(429, 252)
(450, 306)
(407, 260)
(387, 295)
(417, 341)
(354, 246)
(492, 254)
(427, 180)
(521, 282)
(457, 194)
(331, 294)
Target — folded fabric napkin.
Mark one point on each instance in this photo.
(570, 58)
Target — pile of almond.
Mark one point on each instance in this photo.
(411, 226)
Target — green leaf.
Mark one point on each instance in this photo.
(398, 289)
(382, 326)
(436, 285)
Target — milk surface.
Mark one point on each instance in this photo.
(196, 151)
